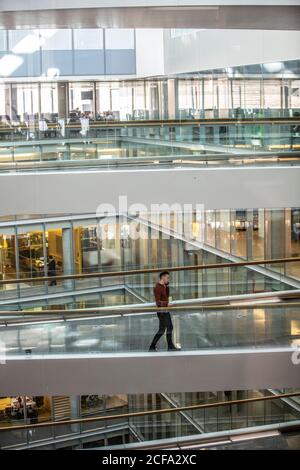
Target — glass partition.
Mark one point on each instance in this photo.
(122, 244)
(141, 429)
(81, 100)
(49, 101)
(196, 328)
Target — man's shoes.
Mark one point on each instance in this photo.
(152, 349)
(174, 348)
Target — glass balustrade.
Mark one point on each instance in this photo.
(154, 429)
(125, 143)
(125, 330)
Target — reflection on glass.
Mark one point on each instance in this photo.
(31, 254)
(7, 257)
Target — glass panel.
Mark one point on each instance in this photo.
(88, 253)
(23, 41)
(295, 94)
(258, 248)
(293, 240)
(252, 94)
(119, 39)
(223, 227)
(49, 101)
(239, 233)
(25, 105)
(103, 100)
(133, 333)
(210, 228)
(139, 104)
(4, 105)
(3, 42)
(31, 254)
(272, 95)
(208, 97)
(54, 244)
(8, 264)
(88, 39)
(81, 96)
(56, 39)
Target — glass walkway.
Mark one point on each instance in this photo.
(130, 330)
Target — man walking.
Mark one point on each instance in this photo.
(161, 294)
(52, 270)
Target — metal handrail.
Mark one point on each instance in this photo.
(122, 311)
(149, 270)
(149, 412)
(158, 122)
(143, 161)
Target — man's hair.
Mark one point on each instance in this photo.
(50, 256)
(163, 273)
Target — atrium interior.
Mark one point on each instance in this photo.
(149, 225)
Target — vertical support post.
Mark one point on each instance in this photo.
(67, 256)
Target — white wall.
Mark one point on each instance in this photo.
(81, 192)
(137, 373)
(149, 52)
(214, 49)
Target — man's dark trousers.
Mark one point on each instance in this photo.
(165, 324)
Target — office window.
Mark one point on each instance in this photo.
(208, 94)
(27, 102)
(2, 99)
(49, 98)
(252, 93)
(295, 93)
(56, 39)
(139, 96)
(272, 92)
(186, 95)
(24, 41)
(119, 39)
(81, 96)
(88, 39)
(3, 45)
(103, 97)
(19, 36)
